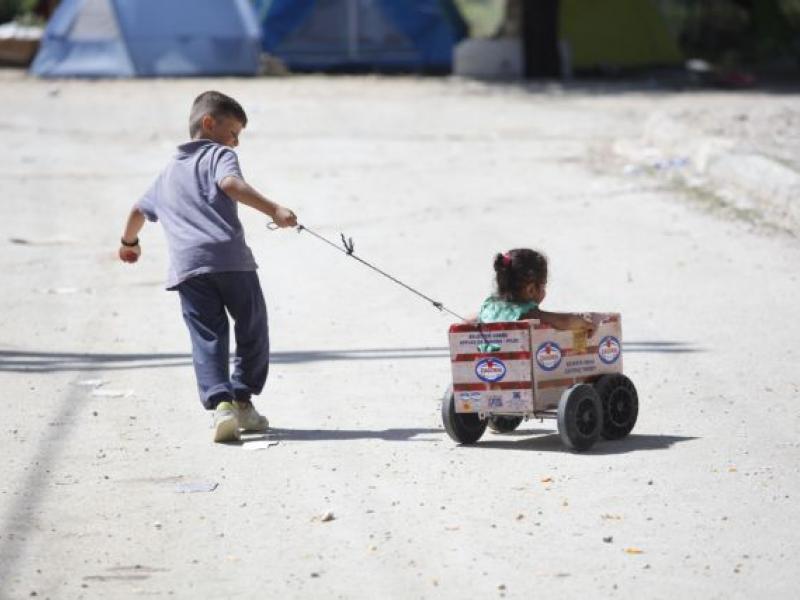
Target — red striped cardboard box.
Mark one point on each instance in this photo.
(522, 367)
(492, 367)
(562, 358)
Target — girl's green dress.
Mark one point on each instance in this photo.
(495, 309)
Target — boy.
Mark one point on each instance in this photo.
(195, 197)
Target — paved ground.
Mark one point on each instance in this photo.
(430, 178)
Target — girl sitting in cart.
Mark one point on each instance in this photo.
(521, 276)
(598, 400)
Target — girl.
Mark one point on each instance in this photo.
(521, 276)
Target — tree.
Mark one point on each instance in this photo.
(769, 31)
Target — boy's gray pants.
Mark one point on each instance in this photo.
(205, 299)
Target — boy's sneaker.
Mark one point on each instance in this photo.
(226, 425)
(248, 417)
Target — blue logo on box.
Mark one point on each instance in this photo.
(548, 356)
(609, 350)
(490, 370)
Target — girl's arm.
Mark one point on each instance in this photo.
(563, 320)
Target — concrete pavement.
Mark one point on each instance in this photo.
(431, 178)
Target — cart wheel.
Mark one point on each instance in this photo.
(464, 428)
(620, 405)
(503, 424)
(580, 416)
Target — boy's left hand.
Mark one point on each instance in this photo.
(129, 254)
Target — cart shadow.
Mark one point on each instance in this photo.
(517, 433)
(551, 442)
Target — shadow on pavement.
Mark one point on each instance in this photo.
(545, 440)
(321, 435)
(552, 443)
(650, 82)
(18, 521)
(660, 347)
(31, 361)
(22, 361)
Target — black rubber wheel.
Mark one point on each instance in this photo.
(464, 428)
(580, 417)
(620, 405)
(503, 423)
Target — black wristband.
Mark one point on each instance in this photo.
(129, 244)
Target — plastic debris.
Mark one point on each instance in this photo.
(325, 517)
(258, 444)
(105, 393)
(633, 550)
(631, 169)
(667, 164)
(17, 31)
(92, 383)
(191, 487)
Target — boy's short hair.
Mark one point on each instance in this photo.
(217, 105)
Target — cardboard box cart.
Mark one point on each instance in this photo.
(506, 372)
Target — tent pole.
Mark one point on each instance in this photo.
(352, 29)
(540, 34)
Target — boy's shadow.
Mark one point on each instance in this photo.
(275, 435)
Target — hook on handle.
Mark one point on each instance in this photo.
(273, 226)
(348, 244)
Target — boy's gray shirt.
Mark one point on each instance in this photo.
(201, 223)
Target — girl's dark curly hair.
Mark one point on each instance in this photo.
(517, 268)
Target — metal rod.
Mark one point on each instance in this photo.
(348, 248)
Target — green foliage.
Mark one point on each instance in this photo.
(483, 16)
(12, 9)
(791, 8)
(730, 32)
(735, 31)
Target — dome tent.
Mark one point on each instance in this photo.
(561, 36)
(617, 34)
(130, 38)
(362, 34)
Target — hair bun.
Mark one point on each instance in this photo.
(499, 262)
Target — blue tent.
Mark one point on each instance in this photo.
(362, 34)
(130, 38)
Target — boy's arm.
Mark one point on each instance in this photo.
(564, 320)
(129, 249)
(241, 191)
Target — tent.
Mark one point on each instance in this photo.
(129, 38)
(561, 36)
(616, 34)
(362, 34)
